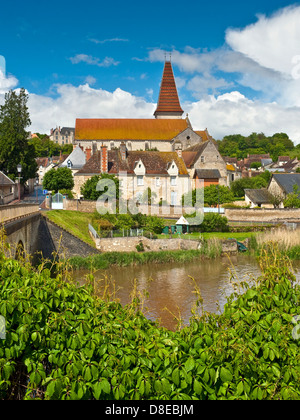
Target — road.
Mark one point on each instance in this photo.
(36, 195)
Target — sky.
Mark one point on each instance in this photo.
(236, 64)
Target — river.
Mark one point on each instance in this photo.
(170, 286)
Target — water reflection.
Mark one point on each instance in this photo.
(171, 286)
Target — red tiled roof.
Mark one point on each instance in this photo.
(155, 162)
(129, 129)
(168, 100)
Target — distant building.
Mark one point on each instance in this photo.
(75, 161)
(62, 136)
(7, 189)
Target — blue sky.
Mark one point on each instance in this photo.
(96, 58)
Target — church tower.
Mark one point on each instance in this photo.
(168, 105)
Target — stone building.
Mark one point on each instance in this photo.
(62, 136)
(164, 173)
(160, 133)
(8, 189)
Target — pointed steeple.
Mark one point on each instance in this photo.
(168, 105)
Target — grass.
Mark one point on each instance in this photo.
(240, 236)
(74, 222)
(125, 259)
(288, 242)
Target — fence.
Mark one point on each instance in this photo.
(123, 233)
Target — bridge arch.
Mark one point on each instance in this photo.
(20, 251)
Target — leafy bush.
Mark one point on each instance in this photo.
(214, 222)
(58, 179)
(64, 343)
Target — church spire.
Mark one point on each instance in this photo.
(168, 105)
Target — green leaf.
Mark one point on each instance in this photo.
(175, 376)
(225, 375)
(97, 389)
(197, 387)
(105, 385)
(189, 364)
(166, 386)
(240, 388)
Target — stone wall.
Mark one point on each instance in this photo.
(174, 244)
(57, 239)
(263, 215)
(130, 244)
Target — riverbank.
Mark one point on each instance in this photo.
(125, 259)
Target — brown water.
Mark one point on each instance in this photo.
(171, 286)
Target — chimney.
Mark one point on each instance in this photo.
(178, 149)
(123, 151)
(104, 159)
(88, 153)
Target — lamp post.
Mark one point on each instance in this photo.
(19, 169)
(37, 184)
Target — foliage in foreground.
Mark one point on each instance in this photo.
(64, 343)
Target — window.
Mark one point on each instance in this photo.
(202, 159)
(173, 181)
(69, 163)
(173, 198)
(158, 182)
(140, 180)
(112, 145)
(146, 146)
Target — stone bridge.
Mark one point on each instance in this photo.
(28, 231)
(21, 224)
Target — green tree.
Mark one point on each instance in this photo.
(217, 194)
(89, 188)
(58, 179)
(293, 199)
(14, 146)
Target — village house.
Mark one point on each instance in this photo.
(163, 172)
(8, 189)
(75, 161)
(281, 185)
(258, 198)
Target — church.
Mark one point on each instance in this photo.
(162, 153)
(166, 132)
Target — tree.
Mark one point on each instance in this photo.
(14, 146)
(217, 194)
(58, 179)
(293, 199)
(89, 188)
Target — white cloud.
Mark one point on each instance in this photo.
(84, 102)
(271, 42)
(94, 61)
(90, 80)
(233, 113)
(7, 82)
(104, 41)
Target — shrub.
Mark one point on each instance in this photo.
(64, 343)
(214, 222)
